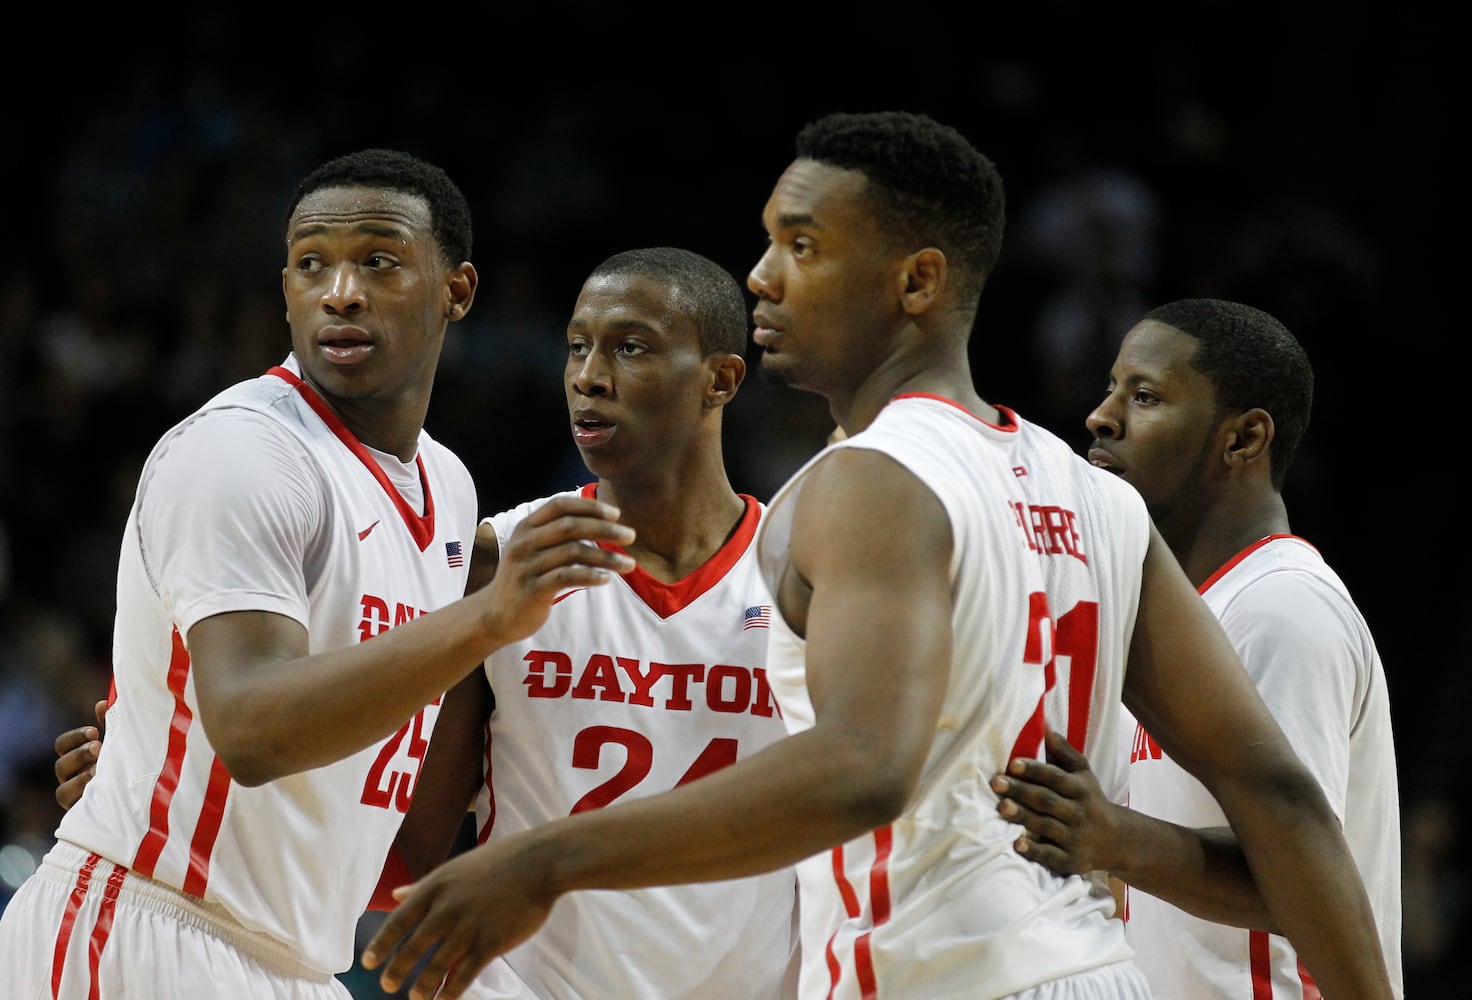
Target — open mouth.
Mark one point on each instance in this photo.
(1102, 460)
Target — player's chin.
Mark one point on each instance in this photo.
(776, 368)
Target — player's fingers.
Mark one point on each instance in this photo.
(570, 564)
(1036, 790)
(1031, 771)
(1058, 861)
(1063, 753)
(100, 711)
(1038, 822)
(419, 943)
(571, 506)
(461, 975)
(69, 791)
(400, 921)
(578, 553)
(76, 764)
(75, 739)
(431, 983)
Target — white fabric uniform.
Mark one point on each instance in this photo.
(1045, 574)
(262, 500)
(1312, 658)
(629, 689)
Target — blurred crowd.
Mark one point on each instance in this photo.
(142, 275)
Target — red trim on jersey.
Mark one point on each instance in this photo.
(421, 529)
(1310, 988)
(167, 782)
(1010, 423)
(1260, 962)
(879, 904)
(484, 832)
(395, 873)
(211, 815)
(664, 599)
(1226, 567)
(102, 930)
(69, 921)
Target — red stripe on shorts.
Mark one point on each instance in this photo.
(69, 921)
(103, 927)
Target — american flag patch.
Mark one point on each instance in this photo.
(455, 553)
(757, 616)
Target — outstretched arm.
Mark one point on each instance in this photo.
(1073, 828)
(273, 707)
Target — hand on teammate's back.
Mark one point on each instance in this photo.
(76, 757)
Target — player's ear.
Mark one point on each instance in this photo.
(727, 372)
(923, 280)
(1248, 436)
(460, 290)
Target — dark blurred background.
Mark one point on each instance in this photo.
(1292, 160)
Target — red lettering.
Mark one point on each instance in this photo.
(1144, 746)
(680, 675)
(728, 688)
(715, 689)
(599, 679)
(1049, 530)
(764, 703)
(538, 683)
(375, 617)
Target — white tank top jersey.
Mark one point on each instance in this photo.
(1045, 573)
(263, 500)
(1311, 656)
(629, 689)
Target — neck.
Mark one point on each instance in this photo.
(947, 375)
(391, 426)
(1224, 530)
(679, 521)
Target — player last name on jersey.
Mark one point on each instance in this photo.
(1050, 530)
(723, 687)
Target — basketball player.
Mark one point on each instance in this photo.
(641, 686)
(288, 618)
(1207, 403)
(926, 570)
(627, 689)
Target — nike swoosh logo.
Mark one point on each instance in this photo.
(364, 533)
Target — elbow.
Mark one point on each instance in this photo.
(247, 750)
(871, 791)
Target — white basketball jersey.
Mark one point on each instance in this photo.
(1311, 656)
(632, 688)
(263, 500)
(1045, 574)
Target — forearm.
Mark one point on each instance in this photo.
(1203, 872)
(1301, 862)
(794, 799)
(268, 722)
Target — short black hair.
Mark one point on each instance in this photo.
(1253, 360)
(716, 300)
(396, 170)
(930, 186)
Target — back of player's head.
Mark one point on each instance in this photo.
(1253, 361)
(395, 170)
(928, 184)
(703, 288)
